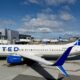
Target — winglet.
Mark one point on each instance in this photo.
(61, 61)
(63, 58)
(63, 71)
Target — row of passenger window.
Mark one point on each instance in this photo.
(42, 49)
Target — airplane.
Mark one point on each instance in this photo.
(16, 53)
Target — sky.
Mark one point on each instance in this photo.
(50, 18)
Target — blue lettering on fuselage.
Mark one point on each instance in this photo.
(10, 49)
(16, 49)
(3, 48)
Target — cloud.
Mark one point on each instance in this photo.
(46, 19)
(50, 2)
(66, 16)
(66, 8)
(46, 22)
(23, 30)
(44, 29)
(56, 2)
(34, 1)
(41, 22)
(47, 10)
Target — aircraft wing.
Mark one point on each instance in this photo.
(43, 61)
(37, 59)
(58, 63)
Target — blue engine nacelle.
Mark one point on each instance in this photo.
(14, 59)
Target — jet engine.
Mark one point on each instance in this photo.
(14, 59)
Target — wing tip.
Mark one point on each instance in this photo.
(63, 71)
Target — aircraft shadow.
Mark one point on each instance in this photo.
(76, 57)
(2, 58)
(38, 68)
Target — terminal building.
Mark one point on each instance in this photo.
(8, 36)
(24, 39)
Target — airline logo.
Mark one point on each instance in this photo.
(10, 48)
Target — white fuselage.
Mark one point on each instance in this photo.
(39, 50)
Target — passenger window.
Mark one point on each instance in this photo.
(22, 50)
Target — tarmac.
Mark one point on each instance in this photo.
(35, 71)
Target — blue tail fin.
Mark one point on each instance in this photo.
(62, 59)
(77, 43)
